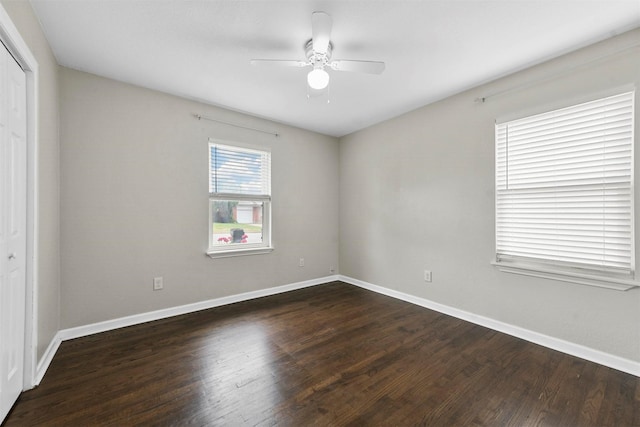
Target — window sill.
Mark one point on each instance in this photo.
(545, 272)
(239, 252)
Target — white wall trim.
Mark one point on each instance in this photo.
(587, 353)
(107, 325)
(122, 322)
(11, 38)
(47, 358)
(593, 355)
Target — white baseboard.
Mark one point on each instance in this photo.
(94, 328)
(615, 362)
(46, 359)
(107, 325)
(587, 353)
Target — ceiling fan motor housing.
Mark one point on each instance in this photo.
(317, 59)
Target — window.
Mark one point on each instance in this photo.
(239, 200)
(564, 193)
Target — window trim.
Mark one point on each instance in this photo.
(233, 250)
(606, 278)
(239, 252)
(546, 271)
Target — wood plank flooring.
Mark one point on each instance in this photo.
(328, 355)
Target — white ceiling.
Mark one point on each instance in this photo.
(201, 49)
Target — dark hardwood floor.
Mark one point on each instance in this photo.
(328, 355)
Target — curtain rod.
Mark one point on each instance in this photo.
(484, 99)
(199, 117)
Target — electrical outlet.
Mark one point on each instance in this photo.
(332, 269)
(158, 284)
(301, 263)
(427, 275)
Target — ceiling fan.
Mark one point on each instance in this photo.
(318, 52)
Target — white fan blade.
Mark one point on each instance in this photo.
(320, 31)
(369, 67)
(279, 63)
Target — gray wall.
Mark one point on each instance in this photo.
(134, 202)
(48, 244)
(417, 192)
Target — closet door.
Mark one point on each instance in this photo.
(13, 168)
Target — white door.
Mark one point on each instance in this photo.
(13, 180)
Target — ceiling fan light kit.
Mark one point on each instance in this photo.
(318, 52)
(318, 79)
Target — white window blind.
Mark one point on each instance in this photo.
(564, 183)
(239, 171)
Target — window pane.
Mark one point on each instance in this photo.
(236, 222)
(239, 171)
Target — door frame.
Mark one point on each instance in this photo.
(15, 44)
